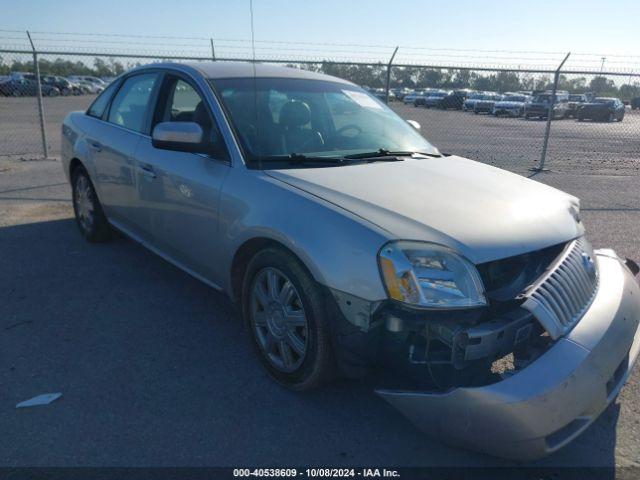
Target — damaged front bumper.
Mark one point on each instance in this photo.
(544, 406)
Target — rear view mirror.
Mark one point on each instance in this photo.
(179, 136)
(414, 124)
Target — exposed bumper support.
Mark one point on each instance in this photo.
(551, 401)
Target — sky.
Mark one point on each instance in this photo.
(588, 26)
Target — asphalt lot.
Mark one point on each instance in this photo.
(594, 148)
(156, 370)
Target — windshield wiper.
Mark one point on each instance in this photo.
(299, 158)
(391, 154)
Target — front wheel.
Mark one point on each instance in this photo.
(286, 312)
(90, 217)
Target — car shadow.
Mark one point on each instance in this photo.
(156, 369)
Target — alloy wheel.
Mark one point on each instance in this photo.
(278, 319)
(83, 197)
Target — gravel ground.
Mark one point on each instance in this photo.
(155, 369)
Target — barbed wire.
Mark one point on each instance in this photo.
(112, 44)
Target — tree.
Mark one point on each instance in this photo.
(603, 86)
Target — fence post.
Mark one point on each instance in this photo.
(386, 94)
(39, 95)
(213, 51)
(547, 131)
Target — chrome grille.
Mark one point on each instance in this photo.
(562, 294)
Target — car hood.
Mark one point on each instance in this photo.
(481, 211)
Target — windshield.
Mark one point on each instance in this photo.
(437, 94)
(606, 101)
(575, 98)
(514, 98)
(312, 117)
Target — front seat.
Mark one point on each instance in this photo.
(294, 115)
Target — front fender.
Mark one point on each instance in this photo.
(339, 249)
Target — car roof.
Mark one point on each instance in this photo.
(218, 70)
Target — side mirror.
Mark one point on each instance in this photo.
(414, 124)
(179, 136)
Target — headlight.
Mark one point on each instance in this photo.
(430, 276)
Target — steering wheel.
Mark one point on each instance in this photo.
(346, 128)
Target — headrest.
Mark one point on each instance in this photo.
(295, 114)
(200, 115)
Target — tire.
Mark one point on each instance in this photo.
(90, 217)
(271, 332)
(16, 93)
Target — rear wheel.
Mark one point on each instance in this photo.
(286, 312)
(90, 217)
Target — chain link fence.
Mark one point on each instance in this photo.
(467, 103)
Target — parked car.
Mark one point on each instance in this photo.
(87, 78)
(603, 109)
(510, 105)
(485, 105)
(334, 273)
(90, 87)
(24, 87)
(409, 98)
(471, 100)
(400, 93)
(78, 88)
(420, 95)
(62, 84)
(538, 107)
(454, 100)
(575, 100)
(635, 103)
(430, 99)
(381, 94)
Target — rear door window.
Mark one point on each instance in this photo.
(99, 105)
(131, 104)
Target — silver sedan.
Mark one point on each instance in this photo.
(353, 247)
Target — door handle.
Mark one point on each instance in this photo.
(147, 170)
(95, 145)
